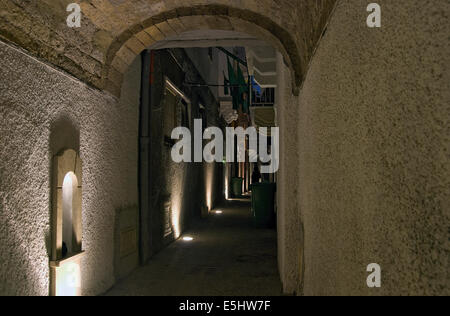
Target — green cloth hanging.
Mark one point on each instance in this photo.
(241, 81)
(233, 81)
(226, 83)
(243, 89)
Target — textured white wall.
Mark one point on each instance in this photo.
(373, 145)
(288, 179)
(42, 110)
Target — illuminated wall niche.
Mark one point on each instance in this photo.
(65, 276)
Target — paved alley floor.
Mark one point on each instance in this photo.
(227, 257)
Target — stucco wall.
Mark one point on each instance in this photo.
(43, 111)
(289, 228)
(373, 164)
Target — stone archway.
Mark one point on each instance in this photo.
(113, 32)
(138, 37)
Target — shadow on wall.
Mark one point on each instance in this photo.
(64, 133)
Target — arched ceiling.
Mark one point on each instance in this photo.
(114, 32)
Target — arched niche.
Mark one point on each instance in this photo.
(66, 224)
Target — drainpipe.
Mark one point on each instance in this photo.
(144, 157)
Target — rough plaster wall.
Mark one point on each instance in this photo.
(374, 136)
(288, 217)
(35, 98)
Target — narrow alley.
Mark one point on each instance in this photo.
(224, 148)
(227, 256)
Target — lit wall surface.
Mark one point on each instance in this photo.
(371, 151)
(33, 98)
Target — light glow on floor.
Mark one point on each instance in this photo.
(188, 238)
(68, 279)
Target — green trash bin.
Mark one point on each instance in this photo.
(236, 186)
(263, 204)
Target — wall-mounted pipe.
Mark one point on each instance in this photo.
(145, 238)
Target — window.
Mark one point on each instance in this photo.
(170, 112)
(176, 109)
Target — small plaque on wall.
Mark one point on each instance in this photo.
(128, 242)
(167, 219)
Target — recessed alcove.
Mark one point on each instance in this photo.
(65, 275)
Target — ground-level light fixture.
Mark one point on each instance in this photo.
(188, 238)
(218, 212)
